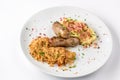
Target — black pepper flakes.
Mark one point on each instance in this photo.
(97, 36)
(51, 22)
(26, 28)
(84, 19)
(100, 41)
(29, 34)
(56, 70)
(32, 29)
(98, 47)
(40, 33)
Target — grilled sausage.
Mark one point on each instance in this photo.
(61, 42)
(60, 31)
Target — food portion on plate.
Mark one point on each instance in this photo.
(41, 51)
(63, 42)
(69, 33)
(75, 28)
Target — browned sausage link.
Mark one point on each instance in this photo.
(60, 31)
(61, 42)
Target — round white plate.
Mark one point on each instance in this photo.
(88, 60)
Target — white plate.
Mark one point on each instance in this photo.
(92, 59)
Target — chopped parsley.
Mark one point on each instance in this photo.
(84, 19)
(83, 54)
(42, 53)
(78, 49)
(72, 66)
(64, 28)
(74, 58)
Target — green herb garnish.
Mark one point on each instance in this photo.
(72, 66)
(83, 54)
(74, 58)
(41, 53)
(82, 57)
(64, 28)
(78, 49)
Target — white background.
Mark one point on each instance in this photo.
(13, 15)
